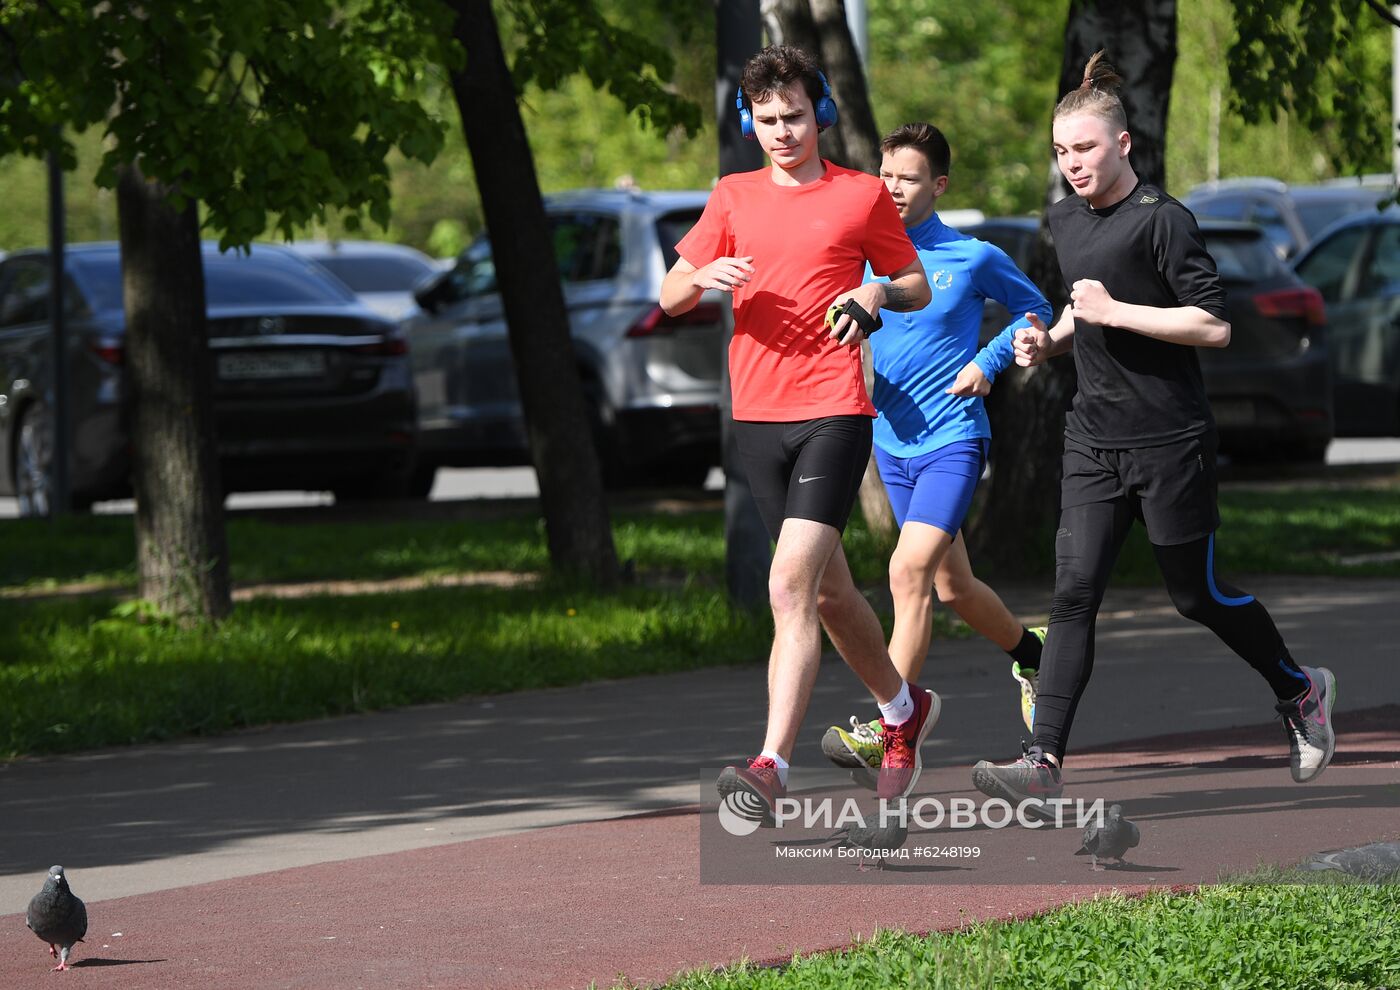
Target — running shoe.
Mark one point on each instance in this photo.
(1308, 723)
(857, 748)
(752, 792)
(902, 764)
(1031, 778)
(1029, 679)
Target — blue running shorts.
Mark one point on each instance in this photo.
(934, 488)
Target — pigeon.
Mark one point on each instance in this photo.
(57, 916)
(1376, 863)
(878, 839)
(1116, 837)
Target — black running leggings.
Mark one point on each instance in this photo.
(1086, 546)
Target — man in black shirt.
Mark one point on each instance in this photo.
(1139, 439)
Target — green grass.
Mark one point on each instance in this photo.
(1326, 935)
(75, 674)
(1292, 531)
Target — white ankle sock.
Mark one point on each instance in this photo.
(901, 708)
(782, 764)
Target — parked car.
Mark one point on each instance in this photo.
(653, 381)
(311, 388)
(1292, 216)
(383, 275)
(1270, 389)
(1355, 266)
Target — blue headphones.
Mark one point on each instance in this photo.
(825, 111)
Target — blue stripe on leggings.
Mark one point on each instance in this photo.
(1283, 666)
(1210, 579)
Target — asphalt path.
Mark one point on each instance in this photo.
(138, 819)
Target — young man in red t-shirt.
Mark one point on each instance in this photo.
(790, 241)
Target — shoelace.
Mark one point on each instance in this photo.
(898, 752)
(1293, 721)
(766, 767)
(863, 732)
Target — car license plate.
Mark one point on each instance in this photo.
(262, 365)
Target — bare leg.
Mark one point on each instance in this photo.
(804, 551)
(854, 629)
(915, 560)
(976, 603)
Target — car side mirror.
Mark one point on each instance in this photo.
(437, 291)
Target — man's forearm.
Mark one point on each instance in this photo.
(1061, 334)
(1189, 325)
(910, 292)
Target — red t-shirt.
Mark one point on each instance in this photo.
(808, 242)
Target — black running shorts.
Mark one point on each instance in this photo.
(1170, 487)
(806, 470)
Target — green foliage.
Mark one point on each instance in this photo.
(265, 111)
(559, 38)
(1325, 62)
(990, 90)
(1284, 937)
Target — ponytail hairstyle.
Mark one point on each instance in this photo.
(1097, 94)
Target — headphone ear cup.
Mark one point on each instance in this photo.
(825, 110)
(745, 117)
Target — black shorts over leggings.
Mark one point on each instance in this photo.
(805, 470)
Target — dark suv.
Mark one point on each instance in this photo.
(653, 380)
(1270, 390)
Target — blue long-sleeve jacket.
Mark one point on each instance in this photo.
(917, 355)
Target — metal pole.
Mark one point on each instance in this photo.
(58, 377)
(1395, 97)
(747, 556)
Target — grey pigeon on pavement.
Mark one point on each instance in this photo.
(1111, 840)
(876, 839)
(57, 916)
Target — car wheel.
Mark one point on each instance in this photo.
(33, 455)
(678, 473)
(420, 481)
(1307, 452)
(392, 481)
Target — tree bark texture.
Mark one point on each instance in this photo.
(557, 419)
(820, 27)
(747, 550)
(1027, 407)
(181, 551)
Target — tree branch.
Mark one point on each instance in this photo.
(1383, 12)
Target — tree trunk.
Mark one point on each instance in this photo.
(747, 550)
(1027, 407)
(557, 419)
(859, 137)
(820, 27)
(181, 552)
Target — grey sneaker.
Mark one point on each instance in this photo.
(1308, 723)
(1031, 778)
